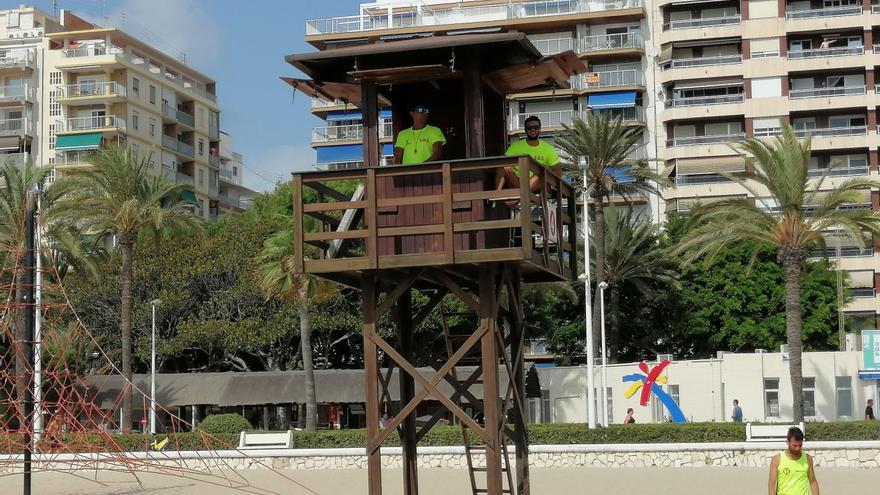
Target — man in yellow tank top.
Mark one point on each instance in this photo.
(791, 472)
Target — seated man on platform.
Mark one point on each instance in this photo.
(419, 143)
(541, 151)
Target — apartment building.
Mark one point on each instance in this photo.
(234, 196)
(70, 87)
(22, 33)
(609, 35)
(698, 75)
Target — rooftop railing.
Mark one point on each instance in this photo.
(425, 16)
(840, 51)
(836, 11)
(711, 139)
(605, 42)
(823, 92)
(703, 22)
(681, 63)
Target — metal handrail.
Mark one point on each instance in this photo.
(693, 101)
(18, 58)
(838, 171)
(92, 50)
(87, 89)
(351, 132)
(709, 178)
(822, 92)
(426, 16)
(833, 131)
(618, 41)
(553, 46)
(18, 92)
(698, 140)
(627, 77)
(702, 22)
(840, 10)
(840, 51)
(701, 61)
(184, 178)
(94, 122)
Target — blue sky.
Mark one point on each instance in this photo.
(241, 45)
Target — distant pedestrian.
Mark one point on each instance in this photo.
(629, 419)
(737, 415)
(869, 410)
(791, 472)
(384, 420)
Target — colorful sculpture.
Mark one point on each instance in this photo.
(648, 382)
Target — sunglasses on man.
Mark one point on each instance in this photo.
(533, 128)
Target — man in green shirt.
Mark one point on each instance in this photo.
(541, 151)
(419, 143)
(791, 472)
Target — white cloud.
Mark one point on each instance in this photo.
(172, 26)
(276, 164)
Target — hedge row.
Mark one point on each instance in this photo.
(539, 434)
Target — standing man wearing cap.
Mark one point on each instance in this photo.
(541, 151)
(419, 143)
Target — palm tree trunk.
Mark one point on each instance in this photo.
(614, 320)
(127, 247)
(305, 331)
(791, 263)
(599, 242)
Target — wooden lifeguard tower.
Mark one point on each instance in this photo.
(443, 229)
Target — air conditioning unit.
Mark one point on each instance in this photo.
(760, 351)
(783, 348)
(664, 357)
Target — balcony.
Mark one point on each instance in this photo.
(684, 180)
(609, 79)
(682, 63)
(93, 50)
(703, 22)
(169, 112)
(92, 90)
(214, 189)
(699, 140)
(824, 92)
(838, 171)
(837, 11)
(862, 292)
(73, 159)
(607, 42)
(628, 114)
(841, 51)
(213, 132)
(15, 127)
(169, 173)
(832, 131)
(352, 132)
(322, 103)
(558, 118)
(185, 118)
(98, 122)
(17, 93)
(695, 101)
(185, 149)
(214, 160)
(556, 45)
(183, 178)
(463, 14)
(17, 159)
(18, 59)
(844, 252)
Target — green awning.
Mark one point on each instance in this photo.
(90, 141)
(189, 197)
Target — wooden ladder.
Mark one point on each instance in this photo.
(453, 341)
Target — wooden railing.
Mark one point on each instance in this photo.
(435, 214)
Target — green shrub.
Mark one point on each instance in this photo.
(224, 423)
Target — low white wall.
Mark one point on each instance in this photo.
(825, 454)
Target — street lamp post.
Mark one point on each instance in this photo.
(584, 163)
(153, 303)
(602, 287)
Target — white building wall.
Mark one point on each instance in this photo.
(708, 387)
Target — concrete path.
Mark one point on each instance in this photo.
(656, 481)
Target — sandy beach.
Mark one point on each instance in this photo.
(657, 481)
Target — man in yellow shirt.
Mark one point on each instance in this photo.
(419, 143)
(541, 151)
(791, 472)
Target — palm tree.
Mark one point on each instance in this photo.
(119, 199)
(634, 258)
(606, 145)
(793, 219)
(279, 280)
